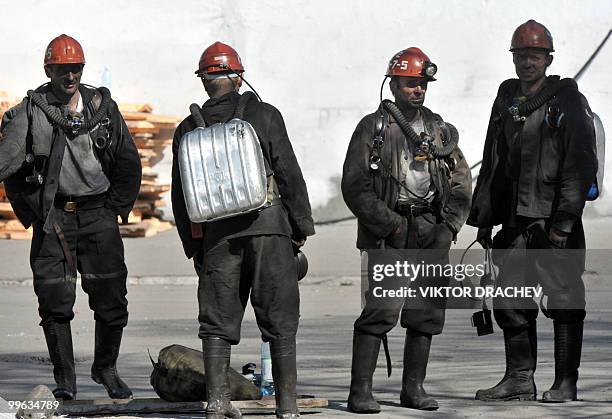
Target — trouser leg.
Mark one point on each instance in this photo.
(100, 259)
(55, 288)
(559, 271)
(276, 300)
(426, 315)
(269, 269)
(222, 292)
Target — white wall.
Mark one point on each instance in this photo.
(320, 62)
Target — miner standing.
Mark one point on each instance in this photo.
(70, 167)
(247, 255)
(539, 164)
(410, 187)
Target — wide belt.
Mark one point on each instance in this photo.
(73, 204)
(413, 209)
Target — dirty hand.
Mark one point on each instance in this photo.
(483, 237)
(558, 238)
(298, 243)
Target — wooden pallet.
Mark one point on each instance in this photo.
(306, 404)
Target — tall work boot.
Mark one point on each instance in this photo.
(521, 355)
(416, 356)
(284, 372)
(216, 364)
(365, 355)
(104, 368)
(59, 343)
(568, 348)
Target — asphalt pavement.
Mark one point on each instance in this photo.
(163, 311)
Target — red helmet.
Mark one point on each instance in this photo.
(64, 50)
(532, 34)
(412, 62)
(217, 58)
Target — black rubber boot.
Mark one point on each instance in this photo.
(59, 344)
(365, 355)
(104, 368)
(284, 372)
(568, 348)
(416, 356)
(521, 355)
(217, 354)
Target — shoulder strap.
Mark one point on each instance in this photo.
(272, 194)
(196, 114)
(29, 139)
(505, 94)
(242, 103)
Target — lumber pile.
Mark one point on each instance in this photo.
(153, 135)
(6, 102)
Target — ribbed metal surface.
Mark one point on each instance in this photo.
(222, 171)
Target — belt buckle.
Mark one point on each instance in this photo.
(70, 206)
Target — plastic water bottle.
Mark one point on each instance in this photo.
(106, 78)
(267, 382)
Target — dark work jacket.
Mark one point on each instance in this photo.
(291, 218)
(558, 161)
(120, 163)
(372, 195)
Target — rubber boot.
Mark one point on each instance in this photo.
(59, 344)
(216, 364)
(284, 372)
(416, 356)
(104, 368)
(568, 348)
(521, 355)
(365, 355)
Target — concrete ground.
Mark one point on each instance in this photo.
(163, 310)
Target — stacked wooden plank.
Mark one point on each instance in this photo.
(153, 135)
(6, 102)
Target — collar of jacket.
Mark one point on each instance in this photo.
(220, 109)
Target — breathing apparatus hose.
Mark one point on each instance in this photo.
(65, 123)
(194, 109)
(544, 96)
(447, 149)
(438, 153)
